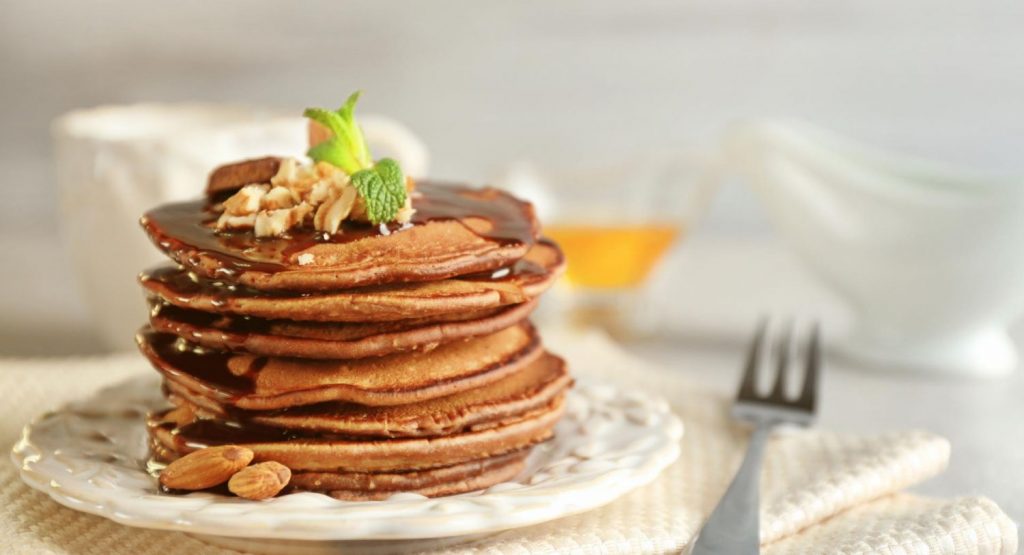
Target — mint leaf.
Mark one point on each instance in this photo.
(383, 190)
(330, 120)
(351, 132)
(347, 110)
(381, 185)
(347, 149)
(332, 152)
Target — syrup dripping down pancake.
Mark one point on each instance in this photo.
(525, 391)
(329, 340)
(455, 231)
(268, 383)
(339, 454)
(526, 279)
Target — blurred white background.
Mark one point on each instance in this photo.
(564, 84)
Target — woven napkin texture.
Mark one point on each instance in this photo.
(822, 492)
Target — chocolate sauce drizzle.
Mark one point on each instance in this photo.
(208, 369)
(207, 373)
(189, 226)
(179, 281)
(205, 433)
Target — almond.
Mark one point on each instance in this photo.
(206, 467)
(260, 481)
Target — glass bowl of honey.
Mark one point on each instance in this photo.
(616, 222)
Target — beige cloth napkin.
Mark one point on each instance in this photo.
(822, 492)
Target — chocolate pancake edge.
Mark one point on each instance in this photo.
(524, 280)
(450, 480)
(455, 231)
(525, 391)
(371, 486)
(269, 383)
(346, 455)
(330, 340)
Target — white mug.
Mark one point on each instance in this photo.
(116, 162)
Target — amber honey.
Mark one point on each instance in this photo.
(612, 256)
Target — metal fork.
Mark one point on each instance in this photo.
(733, 527)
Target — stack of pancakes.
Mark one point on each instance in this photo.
(373, 361)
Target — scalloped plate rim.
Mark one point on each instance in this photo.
(533, 506)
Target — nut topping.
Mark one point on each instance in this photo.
(277, 198)
(260, 481)
(317, 195)
(206, 467)
(331, 213)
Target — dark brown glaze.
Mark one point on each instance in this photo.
(327, 340)
(213, 320)
(511, 219)
(208, 373)
(232, 324)
(205, 433)
(475, 415)
(187, 283)
(208, 370)
(189, 227)
(236, 430)
(522, 268)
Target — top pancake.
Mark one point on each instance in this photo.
(455, 231)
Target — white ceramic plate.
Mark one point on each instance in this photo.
(91, 456)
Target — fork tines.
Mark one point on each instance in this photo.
(783, 352)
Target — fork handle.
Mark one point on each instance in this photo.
(734, 526)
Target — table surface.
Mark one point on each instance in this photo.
(723, 286)
(702, 305)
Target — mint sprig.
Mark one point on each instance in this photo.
(381, 185)
(382, 188)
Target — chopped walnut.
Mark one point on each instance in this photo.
(318, 195)
(278, 197)
(270, 223)
(246, 201)
(332, 212)
(234, 222)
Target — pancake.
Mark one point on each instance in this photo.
(455, 231)
(328, 339)
(526, 279)
(338, 454)
(371, 486)
(527, 390)
(373, 360)
(450, 480)
(267, 383)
